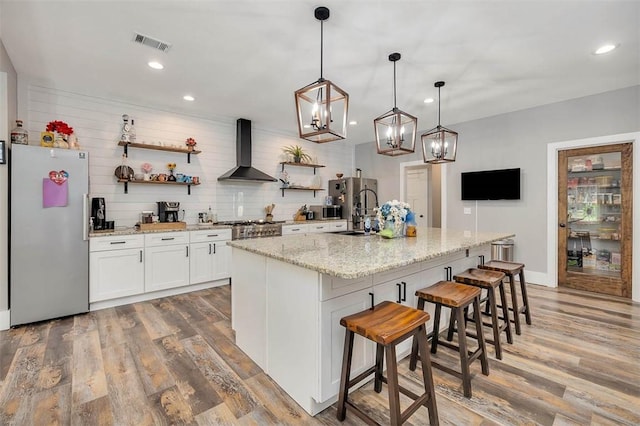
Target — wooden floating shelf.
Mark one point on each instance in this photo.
(155, 182)
(292, 163)
(301, 189)
(128, 145)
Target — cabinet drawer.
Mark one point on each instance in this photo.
(295, 229)
(116, 242)
(318, 227)
(210, 235)
(166, 238)
(338, 226)
(334, 286)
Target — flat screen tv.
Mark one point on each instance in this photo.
(501, 184)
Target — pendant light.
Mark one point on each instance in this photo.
(322, 106)
(395, 129)
(439, 145)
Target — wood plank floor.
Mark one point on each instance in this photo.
(173, 361)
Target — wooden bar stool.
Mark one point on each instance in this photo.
(457, 297)
(489, 280)
(511, 269)
(387, 324)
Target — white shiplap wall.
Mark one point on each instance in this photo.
(97, 124)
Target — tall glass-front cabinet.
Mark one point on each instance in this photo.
(595, 219)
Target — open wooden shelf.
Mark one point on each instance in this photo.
(155, 182)
(301, 189)
(291, 163)
(128, 145)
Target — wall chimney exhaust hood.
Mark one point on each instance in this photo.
(243, 170)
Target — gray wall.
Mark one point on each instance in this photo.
(517, 139)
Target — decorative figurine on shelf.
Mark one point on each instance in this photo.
(128, 133)
(171, 167)
(191, 144)
(146, 169)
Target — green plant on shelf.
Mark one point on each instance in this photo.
(297, 153)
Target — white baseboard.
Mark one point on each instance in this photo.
(5, 321)
(154, 295)
(541, 278)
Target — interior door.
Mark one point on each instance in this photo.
(595, 219)
(417, 194)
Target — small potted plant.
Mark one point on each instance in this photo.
(296, 151)
(171, 167)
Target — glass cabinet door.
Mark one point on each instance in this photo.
(595, 221)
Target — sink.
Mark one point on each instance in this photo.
(352, 233)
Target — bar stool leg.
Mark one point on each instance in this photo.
(427, 376)
(346, 370)
(494, 321)
(514, 304)
(392, 384)
(464, 354)
(505, 313)
(413, 361)
(436, 329)
(525, 298)
(478, 320)
(377, 384)
(452, 326)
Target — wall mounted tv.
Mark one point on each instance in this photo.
(501, 184)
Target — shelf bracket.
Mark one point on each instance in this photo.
(282, 171)
(188, 189)
(126, 184)
(189, 162)
(126, 152)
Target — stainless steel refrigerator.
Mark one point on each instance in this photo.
(357, 198)
(49, 244)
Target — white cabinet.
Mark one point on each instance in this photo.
(166, 260)
(319, 227)
(301, 228)
(116, 267)
(210, 257)
(337, 226)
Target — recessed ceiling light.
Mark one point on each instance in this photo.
(429, 100)
(188, 98)
(156, 65)
(353, 122)
(605, 49)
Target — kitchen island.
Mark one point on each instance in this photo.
(289, 293)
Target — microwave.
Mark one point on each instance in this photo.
(327, 212)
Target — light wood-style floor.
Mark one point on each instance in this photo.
(173, 361)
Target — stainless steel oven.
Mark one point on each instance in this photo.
(243, 230)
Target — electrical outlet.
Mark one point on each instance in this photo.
(467, 210)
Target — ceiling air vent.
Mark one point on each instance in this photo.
(151, 42)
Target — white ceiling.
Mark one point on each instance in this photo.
(246, 58)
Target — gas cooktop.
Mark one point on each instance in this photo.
(245, 229)
(249, 222)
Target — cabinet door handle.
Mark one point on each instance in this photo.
(212, 235)
(118, 242)
(209, 248)
(448, 273)
(404, 291)
(168, 238)
(187, 247)
(399, 292)
(214, 248)
(481, 259)
(371, 294)
(295, 229)
(562, 225)
(140, 256)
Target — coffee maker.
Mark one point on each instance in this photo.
(168, 211)
(98, 213)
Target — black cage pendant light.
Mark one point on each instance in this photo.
(322, 106)
(395, 129)
(439, 145)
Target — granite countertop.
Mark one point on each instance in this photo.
(349, 257)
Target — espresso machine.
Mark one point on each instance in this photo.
(168, 211)
(357, 198)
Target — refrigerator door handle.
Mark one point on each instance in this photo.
(85, 217)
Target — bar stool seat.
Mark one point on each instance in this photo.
(457, 297)
(511, 269)
(489, 280)
(387, 324)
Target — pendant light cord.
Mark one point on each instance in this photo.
(438, 106)
(321, 46)
(394, 85)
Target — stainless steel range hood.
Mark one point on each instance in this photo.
(243, 170)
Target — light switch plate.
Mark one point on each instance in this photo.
(467, 210)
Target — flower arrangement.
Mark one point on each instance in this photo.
(171, 166)
(393, 215)
(146, 168)
(191, 142)
(59, 127)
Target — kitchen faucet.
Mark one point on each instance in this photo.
(359, 204)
